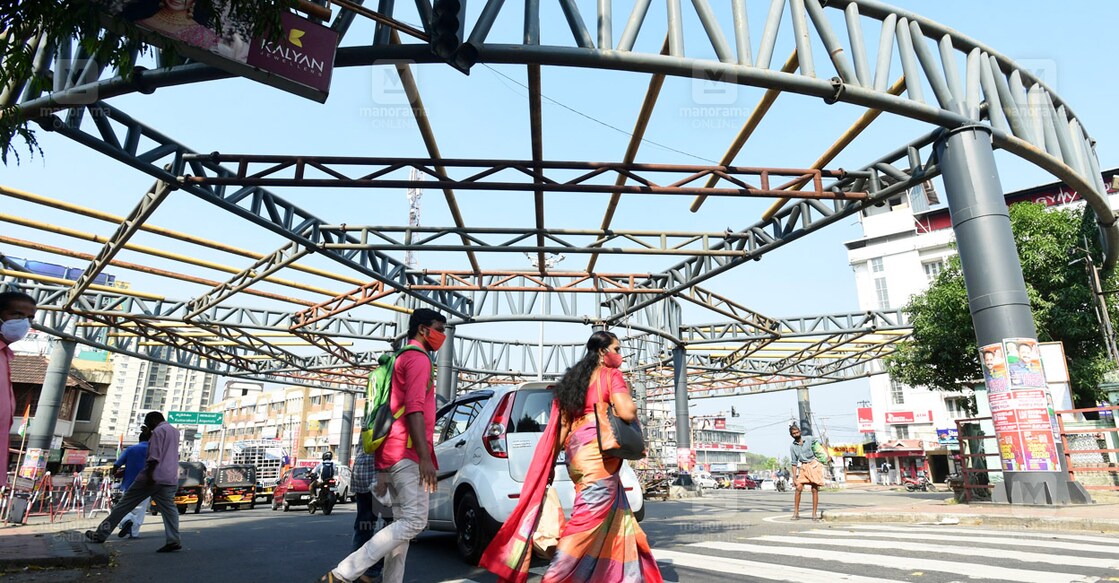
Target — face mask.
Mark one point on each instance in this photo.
(15, 330)
(612, 360)
(435, 338)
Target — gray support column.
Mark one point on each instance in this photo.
(50, 399)
(445, 361)
(804, 411)
(996, 291)
(346, 439)
(680, 374)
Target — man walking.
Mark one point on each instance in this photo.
(406, 461)
(16, 311)
(369, 509)
(159, 479)
(134, 459)
(807, 470)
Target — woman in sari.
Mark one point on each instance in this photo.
(602, 543)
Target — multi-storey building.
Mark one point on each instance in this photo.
(140, 386)
(716, 446)
(905, 245)
(304, 422)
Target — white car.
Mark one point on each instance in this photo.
(484, 441)
(767, 484)
(705, 481)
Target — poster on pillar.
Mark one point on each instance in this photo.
(1020, 406)
(685, 459)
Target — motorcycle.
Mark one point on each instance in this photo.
(782, 484)
(322, 496)
(921, 483)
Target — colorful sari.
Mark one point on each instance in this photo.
(602, 543)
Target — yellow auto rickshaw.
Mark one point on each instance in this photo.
(191, 477)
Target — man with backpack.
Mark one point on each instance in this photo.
(405, 458)
(804, 455)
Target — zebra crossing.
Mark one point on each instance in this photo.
(879, 553)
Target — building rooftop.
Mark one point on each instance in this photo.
(31, 369)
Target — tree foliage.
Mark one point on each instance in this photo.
(1052, 246)
(26, 26)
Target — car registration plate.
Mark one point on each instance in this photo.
(305, 497)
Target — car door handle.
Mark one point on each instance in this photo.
(460, 443)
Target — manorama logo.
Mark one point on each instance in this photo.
(295, 57)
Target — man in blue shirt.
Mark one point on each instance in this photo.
(133, 458)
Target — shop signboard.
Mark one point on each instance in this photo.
(908, 417)
(948, 436)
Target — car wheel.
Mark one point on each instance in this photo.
(275, 505)
(640, 514)
(182, 508)
(345, 496)
(472, 532)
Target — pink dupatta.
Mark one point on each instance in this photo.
(509, 554)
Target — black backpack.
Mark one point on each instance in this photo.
(327, 471)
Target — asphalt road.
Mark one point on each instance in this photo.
(735, 536)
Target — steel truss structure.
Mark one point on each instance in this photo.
(235, 325)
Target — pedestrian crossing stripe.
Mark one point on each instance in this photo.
(909, 564)
(758, 570)
(993, 533)
(993, 539)
(967, 550)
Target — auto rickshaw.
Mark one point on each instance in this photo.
(234, 487)
(191, 477)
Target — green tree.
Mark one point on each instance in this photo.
(1052, 246)
(28, 25)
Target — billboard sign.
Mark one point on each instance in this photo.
(948, 436)
(866, 419)
(299, 61)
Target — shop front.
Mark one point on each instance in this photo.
(905, 458)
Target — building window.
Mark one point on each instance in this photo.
(897, 393)
(876, 265)
(933, 269)
(957, 408)
(901, 431)
(85, 408)
(882, 292)
(316, 400)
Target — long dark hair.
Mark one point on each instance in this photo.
(572, 389)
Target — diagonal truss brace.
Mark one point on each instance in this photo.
(258, 271)
(127, 228)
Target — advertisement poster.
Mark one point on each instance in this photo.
(34, 463)
(1020, 405)
(685, 459)
(300, 61)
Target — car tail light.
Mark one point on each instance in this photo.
(331, 482)
(494, 436)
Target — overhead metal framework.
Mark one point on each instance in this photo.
(326, 294)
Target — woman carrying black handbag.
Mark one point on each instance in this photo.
(589, 549)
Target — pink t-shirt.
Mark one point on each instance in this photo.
(605, 382)
(413, 388)
(7, 408)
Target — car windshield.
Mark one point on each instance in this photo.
(531, 409)
(300, 473)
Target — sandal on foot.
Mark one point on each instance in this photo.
(330, 577)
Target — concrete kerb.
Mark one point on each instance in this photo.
(1062, 523)
(59, 550)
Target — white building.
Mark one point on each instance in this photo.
(140, 386)
(905, 244)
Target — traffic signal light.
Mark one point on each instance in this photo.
(448, 26)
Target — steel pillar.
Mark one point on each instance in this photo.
(345, 440)
(804, 411)
(683, 422)
(1000, 309)
(50, 398)
(445, 363)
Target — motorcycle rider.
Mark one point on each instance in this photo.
(323, 472)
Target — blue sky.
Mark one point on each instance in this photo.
(486, 115)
